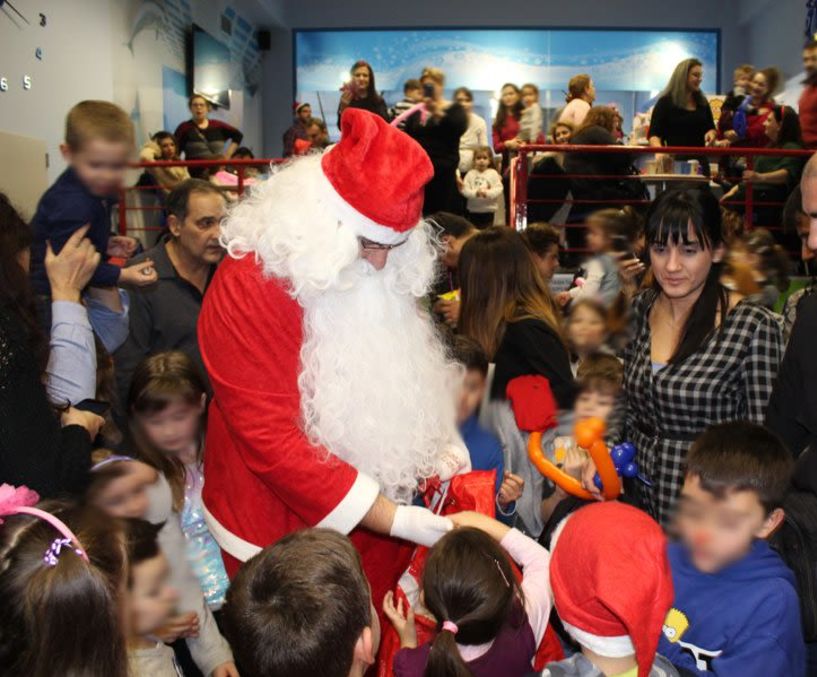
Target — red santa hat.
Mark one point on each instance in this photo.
(378, 172)
(611, 580)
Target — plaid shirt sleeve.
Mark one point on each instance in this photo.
(760, 366)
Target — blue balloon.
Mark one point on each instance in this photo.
(628, 453)
(619, 455)
(630, 470)
(597, 481)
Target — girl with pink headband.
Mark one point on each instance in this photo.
(61, 569)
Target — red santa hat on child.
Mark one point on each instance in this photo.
(378, 173)
(611, 580)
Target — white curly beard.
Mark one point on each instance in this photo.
(377, 387)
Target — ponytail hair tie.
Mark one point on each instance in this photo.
(451, 626)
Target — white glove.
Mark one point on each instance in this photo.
(454, 460)
(419, 525)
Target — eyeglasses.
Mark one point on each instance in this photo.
(372, 246)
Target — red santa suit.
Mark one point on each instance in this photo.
(264, 478)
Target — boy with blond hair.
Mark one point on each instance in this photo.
(98, 143)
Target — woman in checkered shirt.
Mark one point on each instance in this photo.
(699, 355)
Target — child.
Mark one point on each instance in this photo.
(167, 402)
(612, 589)
(757, 267)
(98, 144)
(600, 379)
(412, 95)
(128, 489)
(742, 81)
(150, 602)
(487, 623)
(530, 124)
(483, 447)
(587, 331)
(611, 234)
(302, 608)
(542, 240)
(482, 187)
(736, 609)
(61, 572)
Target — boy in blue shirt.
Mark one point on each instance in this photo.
(98, 145)
(736, 609)
(483, 447)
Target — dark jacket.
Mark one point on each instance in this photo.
(163, 316)
(64, 208)
(792, 410)
(440, 138)
(603, 164)
(531, 347)
(374, 104)
(35, 450)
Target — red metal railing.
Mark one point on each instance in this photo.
(125, 210)
(521, 175)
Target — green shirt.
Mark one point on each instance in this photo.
(793, 165)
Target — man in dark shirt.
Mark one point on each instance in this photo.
(163, 316)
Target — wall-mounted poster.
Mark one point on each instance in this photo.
(629, 67)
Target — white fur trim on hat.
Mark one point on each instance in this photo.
(618, 646)
(362, 225)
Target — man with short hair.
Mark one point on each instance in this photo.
(792, 410)
(163, 316)
(808, 99)
(298, 130)
(455, 231)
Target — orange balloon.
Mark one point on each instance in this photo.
(611, 484)
(597, 424)
(570, 484)
(586, 432)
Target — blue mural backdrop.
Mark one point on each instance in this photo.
(629, 67)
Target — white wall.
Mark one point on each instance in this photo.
(86, 56)
(712, 14)
(773, 31)
(76, 65)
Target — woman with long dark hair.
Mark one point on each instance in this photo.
(773, 177)
(46, 451)
(698, 355)
(506, 122)
(360, 92)
(508, 309)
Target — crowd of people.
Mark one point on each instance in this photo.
(344, 423)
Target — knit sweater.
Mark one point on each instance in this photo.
(489, 182)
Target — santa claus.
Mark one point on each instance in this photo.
(333, 395)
